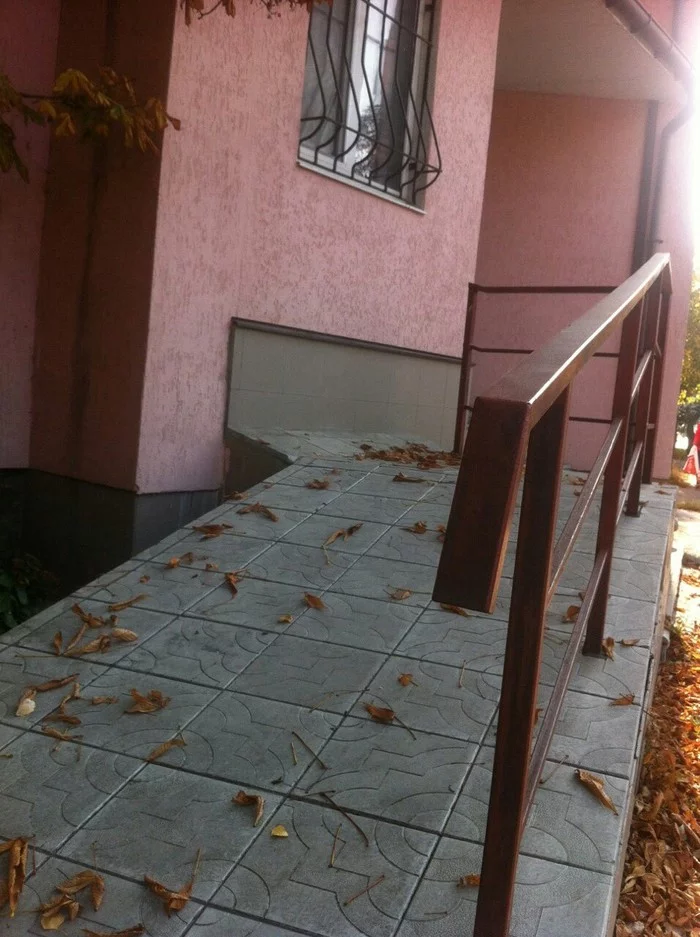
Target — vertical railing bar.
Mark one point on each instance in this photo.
(521, 669)
(655, 403)
(465, 372)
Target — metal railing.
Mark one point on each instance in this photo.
(521, 423)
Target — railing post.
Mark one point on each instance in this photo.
(465, 372)
(622, 399)
(641, 426)
(507, 806)
(655, 404)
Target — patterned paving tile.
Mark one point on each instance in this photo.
(47, 789)
(391, 773)
(199, 651)
(165, 590)
(626, 619)
(448, 638)
(295, 497)
(125, 904)
(375, 578)
(228, 551)
(567, 824)
(20, 669)
(296, 565)
(155, 825)
(400, 543)
(249, 740)
(315, 530)
(258, 604)
(257, 525)
(368, 507)
(431, 514)
(213, 922)
(599, 676)
(142, 622)
(382, 484)
(635, 580)
(551, 900)
(364, 623)
(289, 881)
(110, 726)
(309, 673)
(338, 479)
(435, 702)
(106, 578)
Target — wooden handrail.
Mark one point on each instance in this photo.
(520, 424)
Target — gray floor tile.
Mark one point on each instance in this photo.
(447, 638)
(309, 673)
(295, 497)
(368, 507)
(110, 726)
(430, 514)
(599, 676)
(375, 578)
(296, 565)
(390, 773)
(20, 669)
(141, 621)
(338, 479)
(155, 825)
(214, 922)
(551, 900)
(167, 543)
(19, 632)
(364, 623)
(315, 530)
(125, 904)
(288, 881)
(382, 484)
(440, 494)
(400, 543)
(228, 551)
(566, 824)
(257, 525)
(626, 619)
(199, 651)
(165, 590)
(258, 604)
(106, 579)
(435, 702)
(635, 580)
(249, 740)
(48, 789)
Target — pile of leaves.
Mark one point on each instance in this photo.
(413, 453)
(661, 884)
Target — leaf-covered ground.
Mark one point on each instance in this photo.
(661, 883)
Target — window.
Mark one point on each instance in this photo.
(365, 111)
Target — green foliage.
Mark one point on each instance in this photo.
(25, 587)
(690, 375)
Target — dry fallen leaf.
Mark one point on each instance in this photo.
(285, 620)
(259, 508)
(334, 536)
(251, 800)
(81, 881)
(57, 684)
(571, 614)
(62, 716)
(103, 700)
(352, 530)
(420, 527)
(173, 900)
(380, 714)
(279, 832)
(236, 496)
(441, 531)
(60, 736)
(629, 642)
(455, 609)
(96, 646)
(77, 638)
(319, 484)
(398, 595)
(16, 870)
(313, 601)
(165, 747)
(147, 704)
(124, 634)
(232, 580)
(625, 700)
(91, 621)
(136, 931)
(608, 647)
(57, 642)
(56, 912)
(209, 531)
(469, 881)
(211, 567)
(596, 785)
(405, 679)
(144, 579)
(120, 606)
(26, 704)
(407, 478)
(176, 561)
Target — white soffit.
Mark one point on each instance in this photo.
(576, 47)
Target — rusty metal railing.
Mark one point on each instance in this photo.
(521, 422)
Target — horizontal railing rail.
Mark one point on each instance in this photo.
(520, 425)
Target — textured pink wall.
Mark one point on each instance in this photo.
(243, 231)
(560, 208)
(27, 54)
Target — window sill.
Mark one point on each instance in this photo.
(360, 186)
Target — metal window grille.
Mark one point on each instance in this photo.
(365, 111)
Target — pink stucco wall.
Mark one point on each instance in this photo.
(560, 208)
(27, 54)
(242, 230)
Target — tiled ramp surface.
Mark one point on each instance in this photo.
(269, 695)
